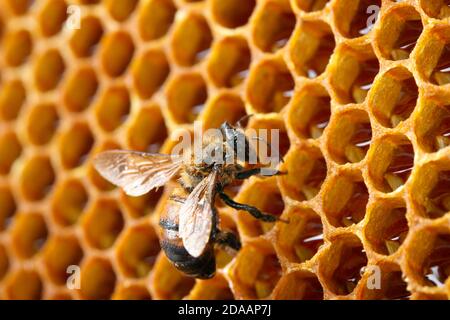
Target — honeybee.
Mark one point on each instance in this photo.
(189, 227)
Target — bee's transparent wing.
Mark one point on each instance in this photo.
(195, 217)
(137, 172)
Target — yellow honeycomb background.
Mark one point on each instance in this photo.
(364, 116)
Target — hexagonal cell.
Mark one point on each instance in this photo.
(400, 30)
(29, 234)
(85, 39)
(95, 178)
(42, 123)
(132, 292)
(211, 289)
(37, 178)
(113, 108)
(143, 205)
(103, 223)
(150, 71)
(148, 130)
(10, 150)
(24, 284)
(137, 251)
(69, 201)
(439, 9)
(7, 207)
(225, 107)
(97, 279)
(431, 189)
(394, 97)
(80, 89)
(298, 285)
(311, 5)
(432, 125)
(4, 262)
(60, 253)
(156, 18)
(12, 98)
(306, 169)
(52, 16)
(387, 227)
(17, 47)
(256, 271)
(352, 73)
(352, 19)
(350, 136)
(343, 264)
(121, 10)
(116, 53)
(75, 144)
(232, 13)
(300, 240)
(191, 40)
(186, 96)
(270, 86)
(345, 199)
(48, 70)
(310, 112)
(312, 48)
(391, 161)
(229, 62)
(273, 25)
(433, 55)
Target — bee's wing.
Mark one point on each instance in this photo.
(136, 172)
(195, 217)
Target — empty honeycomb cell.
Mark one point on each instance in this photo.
(7, 207)
(186, 97)
(132, 292)
(60, 253)
(394, 97)
(343, 264)
(226, 107)
(156, 18)
(117, 50)
(29, 234)
(42, 123)
(350, 136)
(191, 40)
(298, 285)
(233, 13)
(310, 111)
(17, 47)
(85, 39)
(311, 48)
(211, 289)
(431, 189)
(24, 284)
(311, 5)
(229, 62)
(48, 70)
(102, 223)
(75, 144)
(387, 228)
(143, 205)
(357, 18)
(273, 25)
(270, 86)
(433, 56)
(12, 98)
(19, 7)
(37, 178)
(150, 71)
(4, 262)
(345, 199)
(306, 169)
(69, 201)
(80, 89)
(439, 9)
(98, 279)
(52, 16)
(137, 251)
(113, 108)
(391, 161)
(95, 178)
(121, 10)
(399, 33)
(353, 72)
(10, 150)
(300, 240)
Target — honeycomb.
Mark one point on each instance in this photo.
(364, 120)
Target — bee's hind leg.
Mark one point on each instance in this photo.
(227, 239)
(255, 212)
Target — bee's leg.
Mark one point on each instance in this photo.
(252, 210)
(227, 239)
(256, 171)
